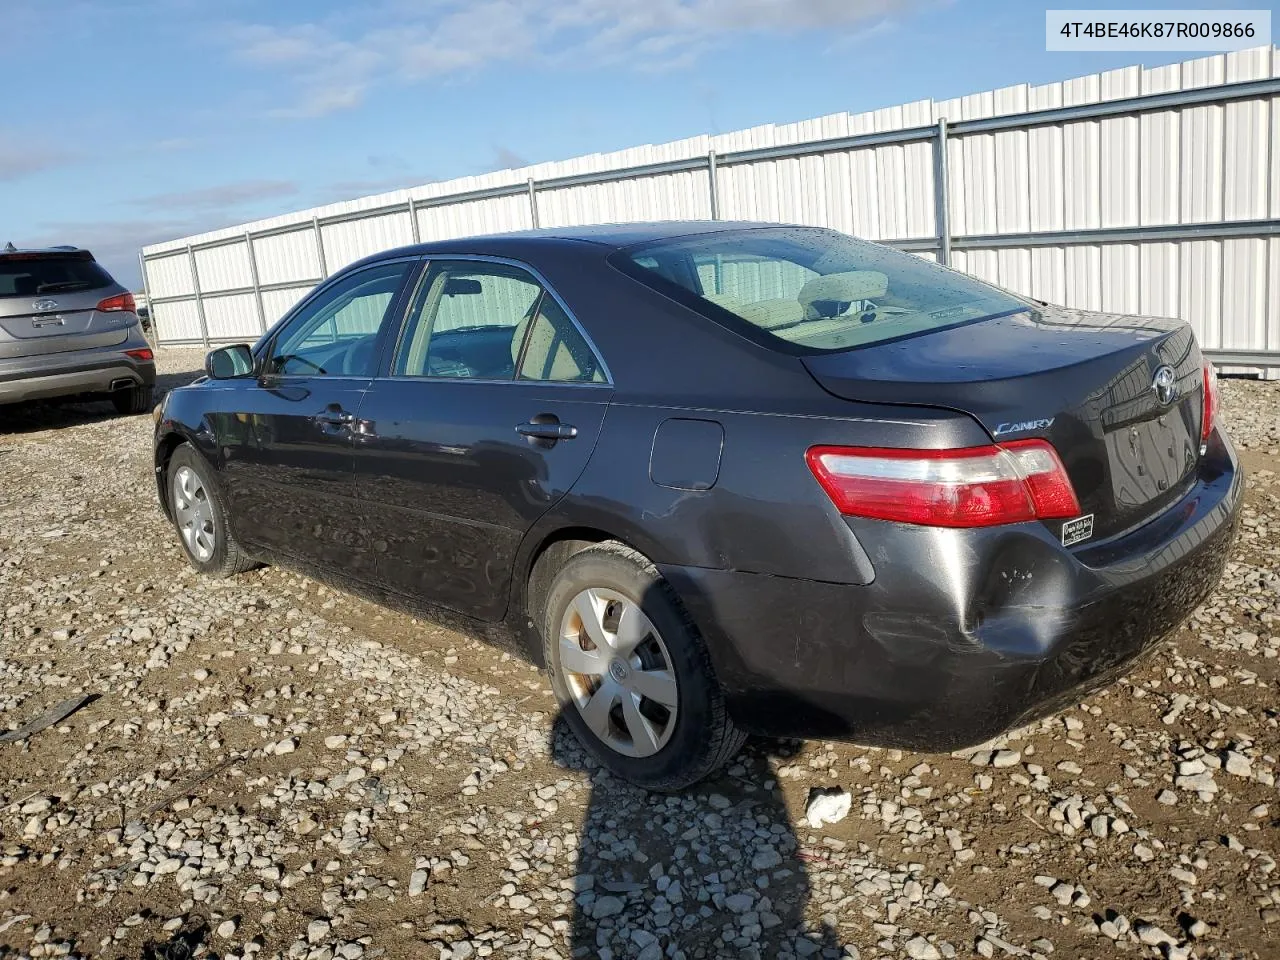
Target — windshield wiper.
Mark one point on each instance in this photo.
(62, 285)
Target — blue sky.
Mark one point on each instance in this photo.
(133, 121)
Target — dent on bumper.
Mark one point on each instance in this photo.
(963, 634)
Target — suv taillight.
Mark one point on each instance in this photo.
(1212, 402)
(966, 487)
(122, 302)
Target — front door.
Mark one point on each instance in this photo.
(286, 437)
(488, 415)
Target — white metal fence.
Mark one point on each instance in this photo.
(1136, 190)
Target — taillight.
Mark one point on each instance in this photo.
(1212, 402)
(142, 353)
(967, 487)
(122, 302)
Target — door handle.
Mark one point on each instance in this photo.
(334, 416)
(551, 429)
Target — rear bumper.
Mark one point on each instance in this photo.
(963, 634)
(75, 372)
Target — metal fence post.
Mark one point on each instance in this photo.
(533, 203)
(195, 285)
(713, 187)
(941, 199)
(413, 222)
(257, 287)
(324, 267)
(146, 292)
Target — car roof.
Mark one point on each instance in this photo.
(52, 251)
(610, 235)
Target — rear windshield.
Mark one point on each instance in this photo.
(27, 277)
(810, 290)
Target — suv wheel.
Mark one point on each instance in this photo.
(631, 672)
(136, 399)
(198, 512)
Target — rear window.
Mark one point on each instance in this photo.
(27, 277)
(809, 290)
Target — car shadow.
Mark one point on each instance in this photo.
(36, 415)
(716, 870)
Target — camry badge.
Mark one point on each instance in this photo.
(1165, 385)
(1021, 425)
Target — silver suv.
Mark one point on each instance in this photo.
(67, 329)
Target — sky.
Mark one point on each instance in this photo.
(128, 122)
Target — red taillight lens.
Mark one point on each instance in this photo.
(1212, 402)
(968, 487)
(123, 302)
(142, 353)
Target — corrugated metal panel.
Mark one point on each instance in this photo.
(170, 276)
(1084, 277)
(677, 196)
(233, 317)
(1200, 292)
(224, 268)
(1244, 290)
(276, 303)
(176, 321)
(1049, 274)
(1119, 270)
(1160, 290)
(351, 240)
(287, 257)
(498, 215)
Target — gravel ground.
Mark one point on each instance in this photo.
(270, 768)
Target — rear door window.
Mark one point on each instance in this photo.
(30, 276)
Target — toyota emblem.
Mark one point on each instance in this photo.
(1165, 385)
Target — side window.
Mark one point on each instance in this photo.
(334, 334)
(468, 320)
(555, 350)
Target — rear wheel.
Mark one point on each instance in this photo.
(135, 399)
(200, 516)
(632, 673)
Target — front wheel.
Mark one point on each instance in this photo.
(199, 513)
(632, 673)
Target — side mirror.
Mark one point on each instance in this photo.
(227, 363)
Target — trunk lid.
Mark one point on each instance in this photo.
(1083, 381)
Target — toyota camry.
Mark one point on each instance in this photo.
(722, 479)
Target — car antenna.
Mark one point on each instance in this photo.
(10, 248)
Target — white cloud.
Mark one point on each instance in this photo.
(24, 156)
(220, 196)
(335, 62)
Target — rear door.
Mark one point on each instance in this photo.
(487, 415)
(48, 304)
(286, 436)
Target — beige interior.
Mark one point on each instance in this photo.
(547, 357)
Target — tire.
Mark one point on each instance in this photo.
(200, 516)
(644, 740)
(134, 400)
